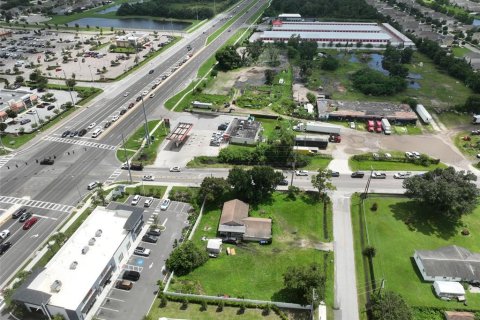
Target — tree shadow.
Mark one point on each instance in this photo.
(422, 219)
(288, 295)
(310, 197)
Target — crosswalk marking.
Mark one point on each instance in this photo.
(82, 143)
(5, 159)
(113, 176)
(37, 204)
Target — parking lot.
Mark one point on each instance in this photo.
(133, 304)
(48, 49)
(196, 144)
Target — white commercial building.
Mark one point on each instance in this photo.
(71, 281)
(130, 39)
(342, 33)
(290, 17)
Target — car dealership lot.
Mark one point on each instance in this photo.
(132, 304)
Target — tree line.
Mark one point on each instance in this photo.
(340, 9)
(166, 8)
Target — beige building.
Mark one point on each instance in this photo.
(130, 39)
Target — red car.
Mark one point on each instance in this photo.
(370, 126)
(378, 126)
(29, 223)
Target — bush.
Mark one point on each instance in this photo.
(374, 207)
(185, 304)
(465, 232)
(220, 306)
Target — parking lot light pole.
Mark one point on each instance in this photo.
(147, 134)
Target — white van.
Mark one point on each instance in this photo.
(92, 185)
(148, 202)
(135, 200)
(96, 132)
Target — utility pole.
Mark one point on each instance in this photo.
(126, 158)
(147, 134)
(365, 192)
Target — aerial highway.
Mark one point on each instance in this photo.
(58, 188)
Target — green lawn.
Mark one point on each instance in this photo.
(460, 52)
(134, 142)
(395, 243)
(297, 226)
(385, 165)
(175, 310)
(452, 120)
(318, 162)
(470, 148)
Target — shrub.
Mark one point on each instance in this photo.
(374, 207)
(185, 304)
(204, 306)
(465, 232)
(220, 306)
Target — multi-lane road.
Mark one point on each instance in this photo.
(62, 185)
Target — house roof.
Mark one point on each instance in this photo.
(258, 228)
(451, 261)
(233, 212)
(459, 315)
(214, 244)
(232, 229)
(449, 287)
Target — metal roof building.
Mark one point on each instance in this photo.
(337, 33)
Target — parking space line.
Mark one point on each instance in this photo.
(164, 222)
(110, 298)
(109, 309)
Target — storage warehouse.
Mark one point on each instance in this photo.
(337, 32)
(71, 281)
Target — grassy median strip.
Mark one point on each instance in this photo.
(214, 35)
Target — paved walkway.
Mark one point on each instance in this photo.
(346, 296)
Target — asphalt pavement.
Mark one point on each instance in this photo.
(76, 165)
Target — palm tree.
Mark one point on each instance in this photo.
(101, 193)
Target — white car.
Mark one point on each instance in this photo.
(409, 155)
(388, 156)
(135, 200)
(301, 173)
(92, 125)
(126, 94)
(175, 169)
(115, 118)
(416, 154)
(144, 93)
(148, 178)
(165, 204)
(379, 175)
(157, 82)
(148, 202)
(4, 234)
(141, 251)
(402, 175)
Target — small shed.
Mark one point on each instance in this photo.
(214, 246)
(459, 315)
(448, 289)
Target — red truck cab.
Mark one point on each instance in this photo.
(370, 126)
(378, 126)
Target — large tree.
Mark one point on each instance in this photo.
(228, 58)
(213, 188)
(186, 258)
(254, 185)
(321, 181)
(450, 193)
(389, 306)
(301, 281)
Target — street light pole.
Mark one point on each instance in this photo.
(147, 134)
(126, 158)
(69, 89)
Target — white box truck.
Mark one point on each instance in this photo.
(476, 119)
(317, 127)
(423, 114)
(387, 129)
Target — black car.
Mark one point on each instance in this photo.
(154, 232)
(48, 162)
(131, 275)
(4, 247)
(50, 107)
(25, 217)
(284, 182)
(123, 111)
(151, 71)
(82, 132)
(222, 127)
(358, 174)
(335, 174)
(66, 134)
(148, 238)
(18, 213)
(73, 134)
(107, 124)
(138, 98)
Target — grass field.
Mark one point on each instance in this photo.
(470, 148)
(256, 271)
(384, 165)
(395, 243)
(436, 87)
(451, 119)
(460, 52)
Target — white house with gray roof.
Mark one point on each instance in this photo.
(451, 263)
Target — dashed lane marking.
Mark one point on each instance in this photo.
(81, 143)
